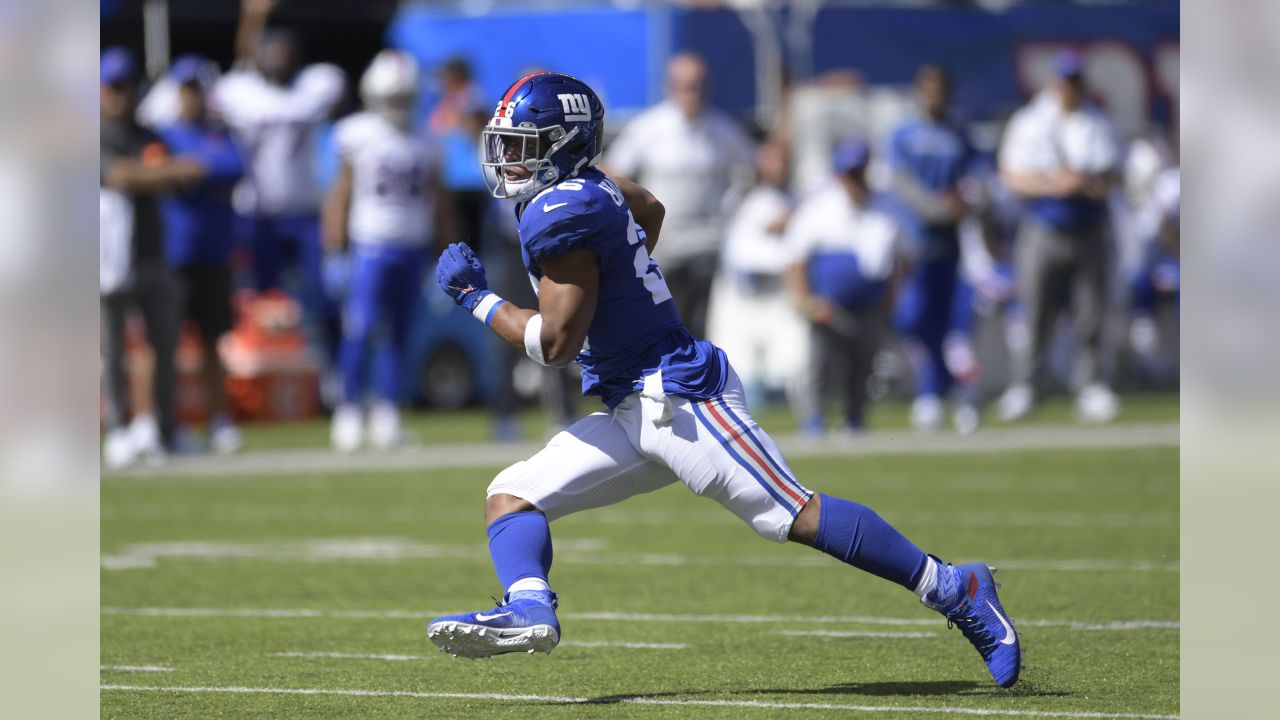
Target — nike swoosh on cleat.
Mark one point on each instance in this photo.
(1009, 636)
(549, 208)
(482, 616)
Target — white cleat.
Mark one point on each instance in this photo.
(1015, 403)
(145, 434)
(117, 449)
(927, 414)
(347, 430)
(1096, 403)
(966, 419)
(461, 639)
(385, 430)
(224, 437)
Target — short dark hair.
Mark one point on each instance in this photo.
(457, 67)
(929, 71)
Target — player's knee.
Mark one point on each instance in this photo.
(503, 495)
(804, 529)
(496, 506)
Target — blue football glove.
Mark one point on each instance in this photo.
(461, 276)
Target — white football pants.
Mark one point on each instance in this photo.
(651, 440)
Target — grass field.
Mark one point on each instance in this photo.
(474, 425)
(306, 596)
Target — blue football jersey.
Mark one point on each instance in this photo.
(636, 330)
(936, 155)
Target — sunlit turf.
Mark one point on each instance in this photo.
(1084, 536)
(434, 427)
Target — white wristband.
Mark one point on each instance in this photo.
(533, 340)
(484, 309)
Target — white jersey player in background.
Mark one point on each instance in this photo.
(384, 207)
(275, 108)
(751, 316)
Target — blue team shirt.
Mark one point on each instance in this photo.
(936, 155)
(636, 330)
(198, 220)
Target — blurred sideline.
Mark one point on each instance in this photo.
(487, 455)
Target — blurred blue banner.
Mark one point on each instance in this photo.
(613, 51)
(996, 59)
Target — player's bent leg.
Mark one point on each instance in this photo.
(727, 456)
(965, 595)
(590, 464)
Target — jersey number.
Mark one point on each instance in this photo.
(403, 183)
(646, 268)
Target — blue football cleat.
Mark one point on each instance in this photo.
(524, 621)
(976, 610)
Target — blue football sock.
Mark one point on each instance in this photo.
(856, 535)
(520, 545)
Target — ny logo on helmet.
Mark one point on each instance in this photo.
(576, 107)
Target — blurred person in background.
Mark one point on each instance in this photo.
(1156, 285)
(696, 161)
(136, 168)
(844, 258)
(198, 230)
(1060, 154)
(929, 155)
(388, 208)
(751, 316)
(275, 108)
(456, 122)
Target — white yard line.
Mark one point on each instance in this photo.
(575, 551)
(136, 668)
(488, 455)
(1119, 625)
(855, 634)
(621, 644)
(351, 656)
(410, 658)
(881, 709)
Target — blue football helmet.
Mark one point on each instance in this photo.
(547, 128)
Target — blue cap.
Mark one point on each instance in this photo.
(1068, 64)
(188, 68)
(851, 154)
(117, 65)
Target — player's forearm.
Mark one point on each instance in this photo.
(333, 220)
(511, 323)
(336, 210)
(797, 284)
(1039, 184)
(930, 206)
(132, 176)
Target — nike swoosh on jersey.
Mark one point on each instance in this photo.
(549, 208)
(1009, 636)
(482, 616)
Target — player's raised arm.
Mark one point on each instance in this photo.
(645, 208)
(552, 335)
(253, 21)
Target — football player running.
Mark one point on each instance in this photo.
(674, 408)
